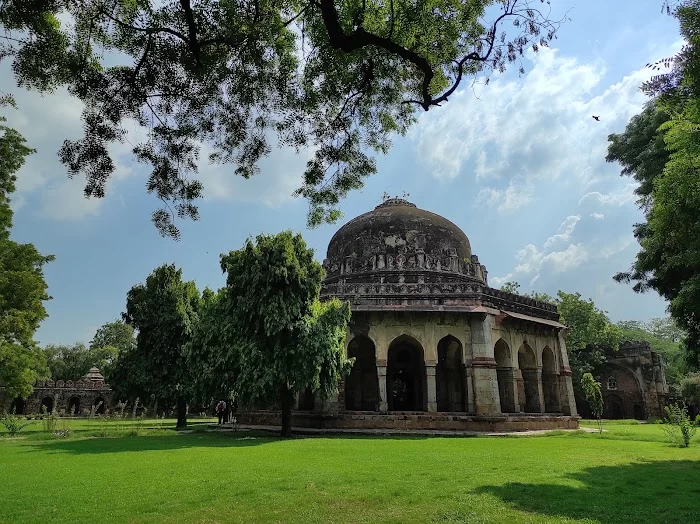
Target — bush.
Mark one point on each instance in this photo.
(679, 428)
(14, 423)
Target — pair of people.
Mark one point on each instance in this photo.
(221, 411)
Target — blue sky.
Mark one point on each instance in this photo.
(518, 165)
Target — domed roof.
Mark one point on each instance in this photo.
(395, 227)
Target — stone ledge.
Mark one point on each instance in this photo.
(413, 421)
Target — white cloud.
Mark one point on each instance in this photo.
(620, 197)
(526, 133)
(597, 216)
(516, 196)
(564, 233)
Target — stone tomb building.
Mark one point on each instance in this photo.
(70, 397)
(434, 346)
(633, 383)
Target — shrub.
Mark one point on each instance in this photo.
(591, 388)
(14, 423)
(50, 420)
(679, 428)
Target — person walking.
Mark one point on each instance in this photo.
(220, 411)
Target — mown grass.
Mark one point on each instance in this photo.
(630, 474)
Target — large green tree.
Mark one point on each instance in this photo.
(283, 339)
(669, 259)
(23, 289)
(339, 77)
(72, 362)
(164, 313)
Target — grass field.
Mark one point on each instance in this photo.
(630, 474)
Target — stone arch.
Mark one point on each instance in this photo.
(550, 382)
(18, 406)
(627, 399)
(361, 385)
(46, 405)
(528, 385)
(504, 373)
(449, 375)
(405, 378)
(613, 407)
(74, 406)
(99, 405)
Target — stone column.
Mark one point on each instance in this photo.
(515, 375)
(381, 378)
(469, 391)
(487, 400)
(566, 386)
(540, 390)
(430, 386)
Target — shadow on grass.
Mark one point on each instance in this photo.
(172, 441)
(663, 491)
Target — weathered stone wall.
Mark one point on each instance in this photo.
(61, 396)
(412, 421)
(633, 382)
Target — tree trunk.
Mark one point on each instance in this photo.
(181, 413)
(286, 400)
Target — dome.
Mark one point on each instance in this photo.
(397, 235)
(94, 375)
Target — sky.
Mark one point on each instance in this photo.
(518, 164)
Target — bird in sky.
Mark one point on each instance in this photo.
(596, 118)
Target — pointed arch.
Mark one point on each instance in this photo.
(550, 381)
(361, 385)
(504, 373)
(528, 386)
(449, 375)
(405, 378)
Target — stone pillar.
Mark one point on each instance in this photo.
(540, 390)
(430, 386)
(566, 386)
(381, 378)
(515, 374)
(469, 391)
(486, 398)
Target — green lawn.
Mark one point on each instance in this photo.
(628, 475)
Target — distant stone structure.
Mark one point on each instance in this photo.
(435, 347)
(71, 397)
(633, 383)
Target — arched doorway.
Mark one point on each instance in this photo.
(529, 384)
(614, 407)
(74, 406)
(406, 375)
(306, 400)
(99, 405)
(361, 385)
(18, 406)
(449, 375)
(504, 373)
(46, 405)
(550, 382)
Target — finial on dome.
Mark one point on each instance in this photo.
(395, 202)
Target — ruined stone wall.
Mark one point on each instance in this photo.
(61, 396)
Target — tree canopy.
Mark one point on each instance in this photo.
(23, 289)
(669, 257)
(227, 80)
(284, 339)
(164, 313)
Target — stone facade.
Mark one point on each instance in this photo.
(633, 383)
(69, 397)
(434, 346)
